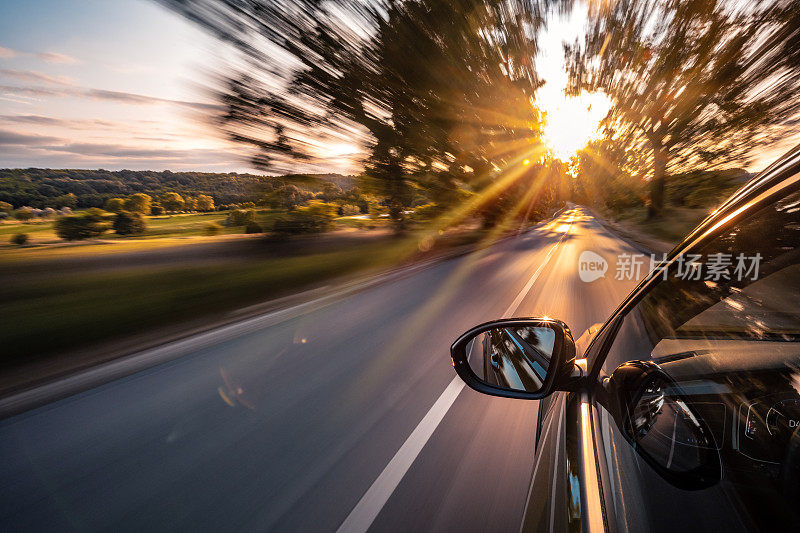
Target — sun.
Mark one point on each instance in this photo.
(571, 122)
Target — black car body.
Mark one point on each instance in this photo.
(683, 413)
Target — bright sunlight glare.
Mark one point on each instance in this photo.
(571, 122)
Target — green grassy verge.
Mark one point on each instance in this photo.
(52, 313)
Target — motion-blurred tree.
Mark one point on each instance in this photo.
(694, 83)
(431, 88)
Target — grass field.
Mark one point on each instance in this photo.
(49, 312)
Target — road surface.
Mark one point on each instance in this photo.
(343, 416)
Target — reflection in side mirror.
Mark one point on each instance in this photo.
(657, 419)
(515, 357)
(518, 358)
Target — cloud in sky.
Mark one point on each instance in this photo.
(97, 94)
(48, 57)
(35, 76)
(13, 138)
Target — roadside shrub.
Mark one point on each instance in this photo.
(77, 228)
(19, 239)
(3, 215)
(156, 210)
(23, 214)
(6, 207)
(212, 229)
(253, 227)
(240, 217)
(48, 212)
(316, 217)
(127, 223)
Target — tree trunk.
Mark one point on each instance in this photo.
(657, 184)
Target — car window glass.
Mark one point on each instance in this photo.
(728, 340)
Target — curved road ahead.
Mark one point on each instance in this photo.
(343, 415)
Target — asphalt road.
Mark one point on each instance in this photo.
(343, 415)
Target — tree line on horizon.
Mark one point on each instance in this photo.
(56, 188)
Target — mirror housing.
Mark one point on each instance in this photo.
(559, 370)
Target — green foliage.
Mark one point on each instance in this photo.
(19, 239)
(240, 217)
(23, 214)
(65, 200)
(139, 203)
(316, 217)
(156, 210)
(115, 205)
(253, 227)
(435, 87)
(348, 210)
(204, 203)
(212, 229)
(6, 207)
(172, 202)
(427, 212)
(128, 223)
(79, 227)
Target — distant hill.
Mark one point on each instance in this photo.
(38, 187)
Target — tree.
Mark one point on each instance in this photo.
(65, 200)
(6, 207)
(76, 228)
(204, 203)
(316, 217)
(127, 223)
(694, 84)
(23, 214)
(172, 202)
(240, 217)
(433, 90)
(115, 205)
(139, 203)
(156, 209)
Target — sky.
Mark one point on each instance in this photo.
(119, 84)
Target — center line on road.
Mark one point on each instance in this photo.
(366, 510)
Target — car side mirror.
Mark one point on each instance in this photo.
(658, 420)
(526, 358)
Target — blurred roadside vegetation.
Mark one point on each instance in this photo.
(604, 177)
(57, 303)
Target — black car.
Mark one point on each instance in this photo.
(683, 412)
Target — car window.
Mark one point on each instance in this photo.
(724, 327)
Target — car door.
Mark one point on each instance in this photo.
(727, 344)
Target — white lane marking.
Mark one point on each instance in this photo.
(366, 510)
